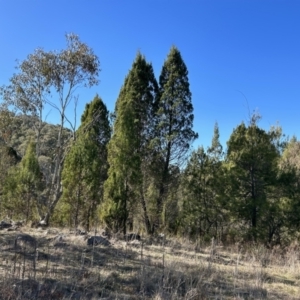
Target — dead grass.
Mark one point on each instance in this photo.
(64, 267)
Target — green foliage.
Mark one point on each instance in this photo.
(202, 213)
(289, 178)
(23, 186)
(253, 184)
(85, 167)
(129, 144)
(8, 159)
(174, 133)
(175, 109)
(291, 155)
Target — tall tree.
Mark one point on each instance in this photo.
(29, 89)
(128, 145)
(42, 74)
(85, 167)
(175, 120)
(252, 160)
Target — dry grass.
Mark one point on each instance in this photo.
(64, 267)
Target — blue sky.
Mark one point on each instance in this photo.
(232, 49)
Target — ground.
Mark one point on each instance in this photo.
(62, 266)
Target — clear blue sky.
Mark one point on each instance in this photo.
(230, 48)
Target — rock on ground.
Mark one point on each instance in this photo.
(97, 240)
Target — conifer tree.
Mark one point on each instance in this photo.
(252, 161)
(202, 212)
(23, 185)
(85, 168)
(175, 120)
(216, 149)
(285, 216)
(129, 145)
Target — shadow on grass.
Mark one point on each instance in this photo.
(69, 269)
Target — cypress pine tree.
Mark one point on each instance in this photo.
(252, 160)
(175, 120)
(85, 167)
(23, 185)
(216, 149)
(128, 146)
(202, 211)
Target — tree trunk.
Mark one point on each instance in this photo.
(55, 190)
(146, 217)
(162, 190)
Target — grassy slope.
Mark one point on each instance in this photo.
(67, 268)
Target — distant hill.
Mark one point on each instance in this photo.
(23, 129)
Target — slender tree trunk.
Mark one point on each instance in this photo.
(253, 200)
(27, 206)
(124, 210)
(146, 217)
(87, 221)
(162, 190)
(76, 216)
(55, 189)
(124, 218)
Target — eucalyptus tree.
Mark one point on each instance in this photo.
(48, 75)
(29, 89)
(129, 146)
(174, 134)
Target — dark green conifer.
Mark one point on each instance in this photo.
(85, 167)
(23, 186)
(175, 120)
(129, 145)
(252, 162)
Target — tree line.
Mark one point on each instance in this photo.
(133, 170)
